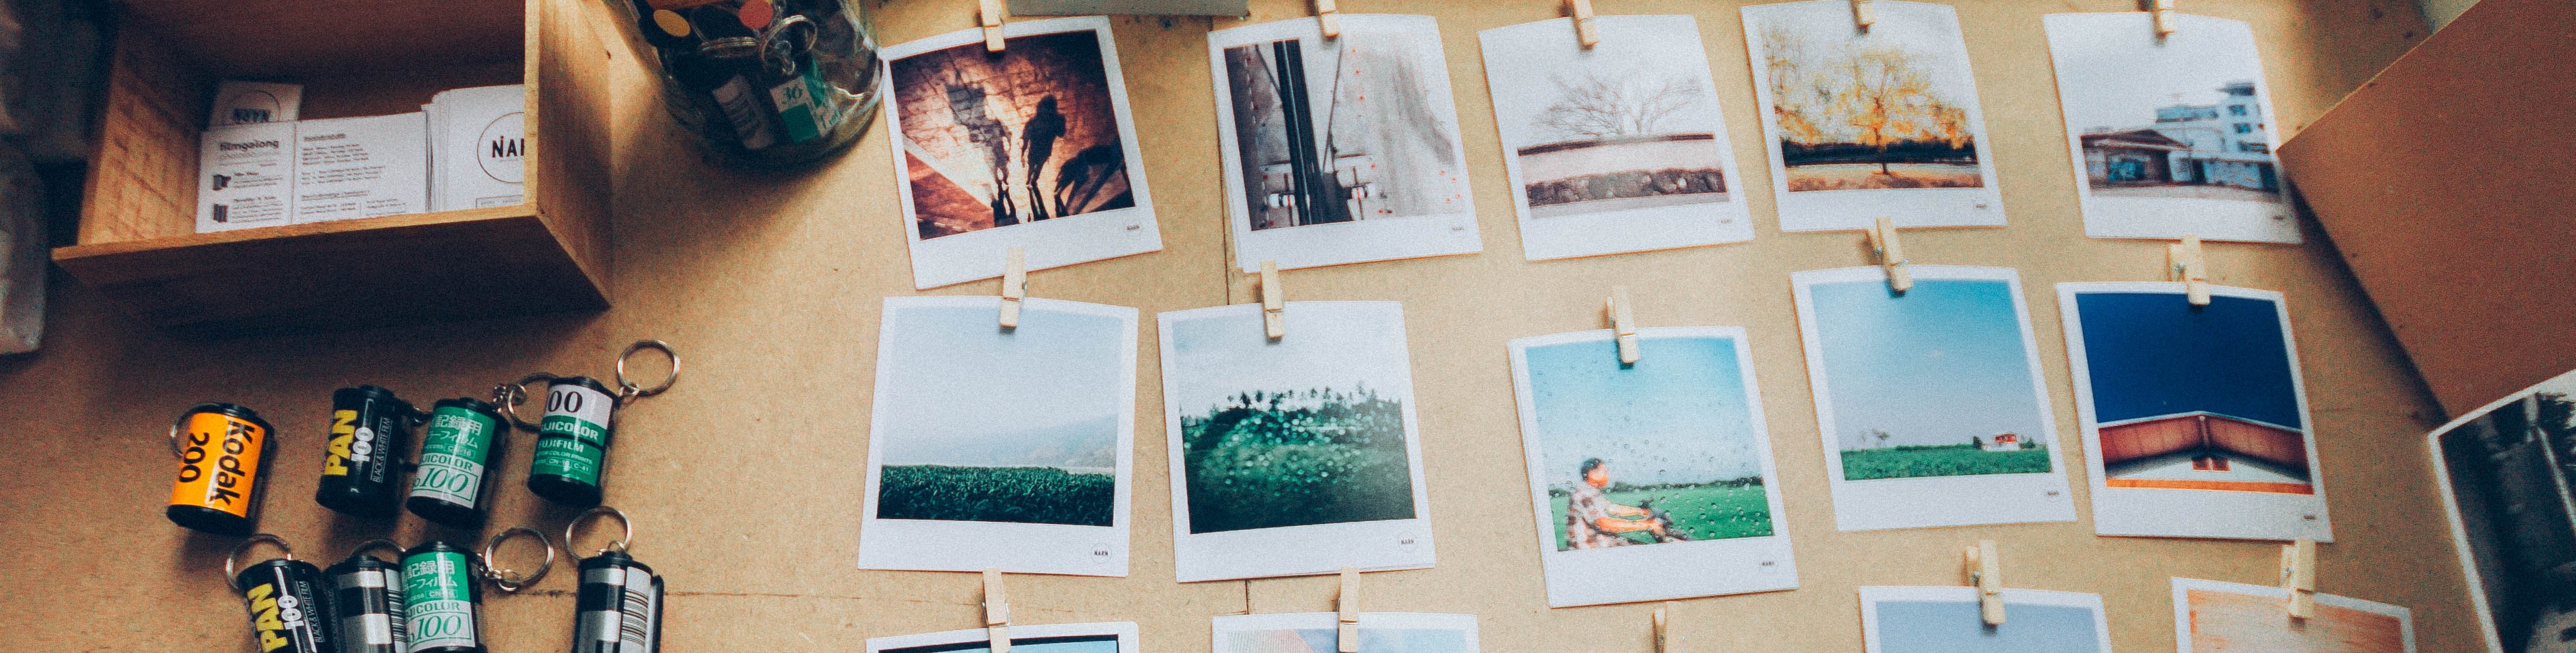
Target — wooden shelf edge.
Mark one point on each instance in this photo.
(292, 231)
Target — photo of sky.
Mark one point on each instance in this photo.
(1953, 627)
(970, 394)
(1677, 416)
(1942, 363)
(2152, 354)
(1333, 345)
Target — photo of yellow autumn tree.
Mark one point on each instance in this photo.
(1867, 110)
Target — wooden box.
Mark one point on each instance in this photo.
(2446, 184)
(137, 238)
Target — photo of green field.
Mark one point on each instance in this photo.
(1910, 461)
(1028, 495)
(1706, 511)
(1268, 459)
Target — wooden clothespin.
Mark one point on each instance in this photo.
(1348, 636)
(2185, 263)
(991, 13)
(1584, 33)
(1329, 18)
(2164, 18)
(1274, 302)
(2299, 576)
(1862, 15)
(997, 611)
(1660, 632)
(1986, 572)
(1891, 254)
(1623, 324)
(1015, 286)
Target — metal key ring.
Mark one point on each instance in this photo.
(501, 578)
(233, 560)
(176, 424)
(370, 545)
(510, 395)
(622, 523)
(628, 389)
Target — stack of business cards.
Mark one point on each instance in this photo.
(477, 139)
(361, 167)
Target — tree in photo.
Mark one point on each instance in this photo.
(1605, 106)
(1267, 459)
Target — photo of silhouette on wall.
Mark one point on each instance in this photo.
(994, 140)
(1031, 147)
(1883, 116)
(2187, 405)
(1340, 150)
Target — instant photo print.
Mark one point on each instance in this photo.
(1001, 448)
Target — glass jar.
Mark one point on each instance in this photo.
(764, 83)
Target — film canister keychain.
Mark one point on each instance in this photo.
(288, 612)
(440, 597)
(220, 448)
(362, 465)
(573, 437)
(367, 596)
(456, 455)
(619, 607)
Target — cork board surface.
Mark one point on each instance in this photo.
(743, 479)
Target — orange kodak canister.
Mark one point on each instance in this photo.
(220, 447)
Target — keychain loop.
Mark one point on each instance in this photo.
(176, 424)
(503, 578)
(380, 543)
(510, 395)
(231, 562)
(628, 526)
(628, 389)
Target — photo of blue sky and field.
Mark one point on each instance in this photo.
(981, 424)
(1892, 107)
(1308, 429)
(1671, 442)
(2193, 397)
(1935, 382)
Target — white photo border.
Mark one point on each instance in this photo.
(1673, 570)
(2159, 218)
(1311, 549)
(2162, 512)
(1361, 241)
(1917, 502)
(2182, 607)
(1631, 230)
(1070, 240)
(1833, 210)
(1125, 631)
(2451, 505)
(948, 545)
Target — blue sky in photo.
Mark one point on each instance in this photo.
(2153, 354)
(964, 392)
(1677, 416)
(1953, 627)
(1373, 640)
(1342, 346)
(1937, 365)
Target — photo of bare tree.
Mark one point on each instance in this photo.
(1855, 110)
(1615, 148)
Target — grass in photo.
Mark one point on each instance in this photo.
(1266, 459)
(1664, 450)
(1934, 382)
(984, 425)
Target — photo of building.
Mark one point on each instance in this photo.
(2220, 150)
(2193, 398)
(2201, 450)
